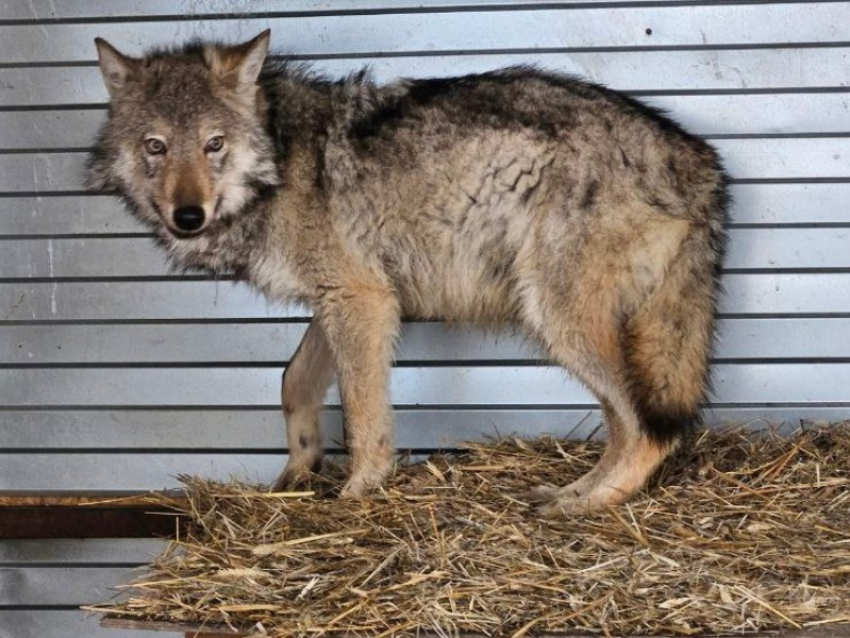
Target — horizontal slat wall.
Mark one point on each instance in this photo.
(98, 334)
(762, 114)
(117, 374)
(104, 348)
(761, 159)
(42, 583)
(579, 27)
(138, 258)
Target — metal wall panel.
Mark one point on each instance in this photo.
(642, 71)
(768, 204)
(41, 580)
(709, 115)
(746, 159)
(138, 257)
(110, 431)
(82, 10)
(445, 386)
(365, 34)
(273, 343)
(807, 292)
(50, 623)
(116, 374)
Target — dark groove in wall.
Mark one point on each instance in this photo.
(788, 90)
(733, 181)
(376, 55)
(406, 364)
(470, 8)
(61, 150)
(305, 319)
(179, 278)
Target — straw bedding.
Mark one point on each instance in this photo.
(739, 533)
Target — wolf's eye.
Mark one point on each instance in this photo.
(214, 144)
(155, 146)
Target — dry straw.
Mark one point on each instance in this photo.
(740, 533)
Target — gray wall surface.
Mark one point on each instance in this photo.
(116, 374)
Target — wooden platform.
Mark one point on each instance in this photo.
(820, 631)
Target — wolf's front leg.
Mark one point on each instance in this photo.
(361, 323)
(305, 383)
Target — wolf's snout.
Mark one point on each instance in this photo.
(189, 218)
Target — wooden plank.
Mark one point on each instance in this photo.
(46, 522)
(275, 343)
(745, 294)
(191, 631)
(817, 631)
(776, 114)
(91, 215)
(742, 70)
(765, 23)
(88, 501)
(138, 257)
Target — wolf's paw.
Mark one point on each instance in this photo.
(568, 501)
(554, 502)
(365, 480)
(297, 472)
(579, 497)
(561, 506)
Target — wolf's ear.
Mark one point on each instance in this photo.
(115, 67)
(242, 62)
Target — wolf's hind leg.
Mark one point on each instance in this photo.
(664, 348)
(650, 372)
(596, 356)
(303, 389)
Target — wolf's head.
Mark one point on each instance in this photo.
(185, 143)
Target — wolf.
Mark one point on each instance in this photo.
(517, 197)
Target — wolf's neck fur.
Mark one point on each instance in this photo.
(226, 248)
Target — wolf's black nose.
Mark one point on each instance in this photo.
(189, 218)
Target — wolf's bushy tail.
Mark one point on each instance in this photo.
(669, 339)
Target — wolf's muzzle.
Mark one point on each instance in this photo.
(189, 218)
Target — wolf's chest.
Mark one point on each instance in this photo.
(274, 277)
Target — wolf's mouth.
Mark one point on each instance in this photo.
(183, 234)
